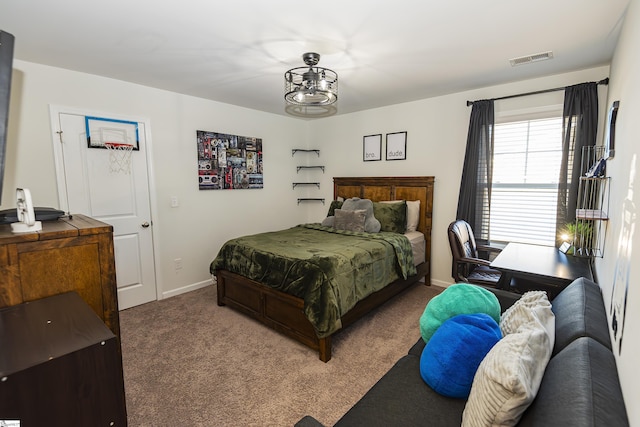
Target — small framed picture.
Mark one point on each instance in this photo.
(372, 148)
(397, 146)
(564, 247)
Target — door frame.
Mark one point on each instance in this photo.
(54, 112)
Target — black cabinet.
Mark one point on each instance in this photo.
(60, 365)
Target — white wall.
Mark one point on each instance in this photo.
(625, 199)
(196, 230)
(436, 127)
(436, 141)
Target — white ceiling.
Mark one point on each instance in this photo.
(385, 52)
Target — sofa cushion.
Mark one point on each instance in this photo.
(460, 298)
(401, 398)
(308, 421)
(509, 376)
(417, 348)
(580, 388)
(452, 355)
(580, 312)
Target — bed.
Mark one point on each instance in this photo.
(284, 309)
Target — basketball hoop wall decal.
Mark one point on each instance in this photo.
(119, 156)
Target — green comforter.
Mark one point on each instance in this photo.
(331, 270)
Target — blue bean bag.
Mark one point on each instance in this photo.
(461, 298)
(451, 358)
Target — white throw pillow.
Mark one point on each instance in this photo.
(509, 376)
(413, 214)
(531, 307)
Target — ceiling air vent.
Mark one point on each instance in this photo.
(531, 58)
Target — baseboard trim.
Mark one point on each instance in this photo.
(440, 283)
(185, 289)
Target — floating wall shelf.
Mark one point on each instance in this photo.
(310, 199)
(295, 184)
(299, 168)
(310, 167)
(592, 210)
(295, 150)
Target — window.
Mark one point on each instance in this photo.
(527, 157)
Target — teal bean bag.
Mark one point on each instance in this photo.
(461, 298)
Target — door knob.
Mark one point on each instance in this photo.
(145, 224)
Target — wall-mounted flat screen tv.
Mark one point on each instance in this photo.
(6, 68)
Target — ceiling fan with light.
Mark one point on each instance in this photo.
(311, 85)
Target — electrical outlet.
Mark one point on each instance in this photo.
(174, 202)
(177, 264)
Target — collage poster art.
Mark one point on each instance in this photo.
(228, 162)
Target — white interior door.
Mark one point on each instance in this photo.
(87, 185)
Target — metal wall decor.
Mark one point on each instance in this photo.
(228, 162)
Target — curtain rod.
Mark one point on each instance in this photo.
(604, 81)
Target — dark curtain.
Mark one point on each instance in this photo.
(474, 201)
(579, 128)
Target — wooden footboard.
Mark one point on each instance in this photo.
(285, 313)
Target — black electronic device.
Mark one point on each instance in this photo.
(9, 216)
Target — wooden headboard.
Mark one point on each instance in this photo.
(392, 188)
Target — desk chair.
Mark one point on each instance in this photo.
(467, 266)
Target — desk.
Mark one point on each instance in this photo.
(543, 266)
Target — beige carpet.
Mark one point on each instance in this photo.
(188, 362)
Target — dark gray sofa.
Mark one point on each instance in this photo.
(580, 386)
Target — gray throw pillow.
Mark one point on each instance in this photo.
(371, 225)
(328, 221)
(350, 220)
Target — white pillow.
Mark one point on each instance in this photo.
(509, 376)
(533, 306)
(413, 214)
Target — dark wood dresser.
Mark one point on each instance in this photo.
(69, 254)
